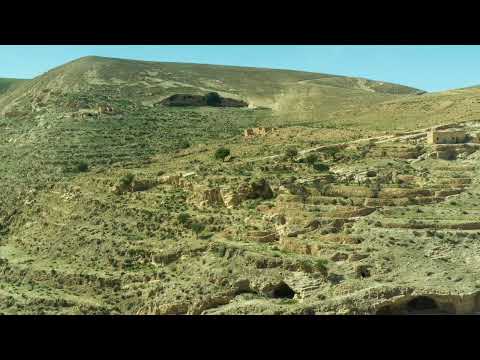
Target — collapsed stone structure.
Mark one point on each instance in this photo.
(260, 131)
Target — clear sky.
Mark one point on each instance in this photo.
(430, 68)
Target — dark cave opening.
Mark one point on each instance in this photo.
(283, 291)
(419, 305)
(422, 304)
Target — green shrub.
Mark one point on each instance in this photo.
(222, 153)
(213, 99)
(321, 266)
(81, 166)
(183, 218)
(197, 228)
(127, 180)
(318, 166)
(321, 262)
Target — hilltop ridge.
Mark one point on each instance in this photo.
(147, 82)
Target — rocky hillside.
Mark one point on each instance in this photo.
(114, 203)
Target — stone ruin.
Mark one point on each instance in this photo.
(449, 136)
(255, 132)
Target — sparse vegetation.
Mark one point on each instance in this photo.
(262, 218)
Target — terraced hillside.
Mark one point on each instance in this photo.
(115, 204)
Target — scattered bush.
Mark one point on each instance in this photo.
(222, 153)
(183, 218)
(127, 180)
(213, 99)
(291, 152)
(321, 263)
(318, 166)
(197, 228)
(81, 166)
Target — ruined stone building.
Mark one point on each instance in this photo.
(450, 136)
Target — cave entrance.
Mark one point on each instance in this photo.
(283, 291)
(422, 305)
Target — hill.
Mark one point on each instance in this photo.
(9, 84)
(149, 82)
(113, 203)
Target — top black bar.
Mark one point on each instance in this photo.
(212, 23)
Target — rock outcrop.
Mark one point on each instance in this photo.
(200, 100)
(215, 196)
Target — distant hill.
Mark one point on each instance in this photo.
(9, 84)
(297, 98)
(148, 83)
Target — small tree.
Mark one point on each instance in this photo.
(183, 218)
(197, 228)
(127, 180)
(81, 166)
(222, 153)
(213, 99)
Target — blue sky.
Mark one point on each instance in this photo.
(431, 68)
